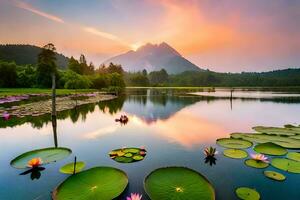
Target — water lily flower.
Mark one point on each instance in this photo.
(142, 148)
(142, 153)
(35, 162)
(6, 116)
(134, 196)
(260, 158)
(210, 151)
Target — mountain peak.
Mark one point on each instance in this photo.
(154, 57)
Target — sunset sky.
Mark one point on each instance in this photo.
(221, 35)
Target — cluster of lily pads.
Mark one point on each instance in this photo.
(107, 183)
(278, 142)
(128, 155)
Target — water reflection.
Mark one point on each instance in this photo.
(151, 105)
(35, 173)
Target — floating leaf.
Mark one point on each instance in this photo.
(47, 155)
(235, 153)
(138, 157)
(178, 183)
(286, 142)
(277, 130)
(256, 164)
(274, 175)
(286, 165)
(69, 168)
(123, 159)
(234, 143)
(293, 156)
(270, 148)
(103, 183)
(128, 155)
(247, 193)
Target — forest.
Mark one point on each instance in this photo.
(19, 70)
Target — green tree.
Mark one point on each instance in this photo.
(46, 68)
(8, 74)
(74, 65)
(76, 81)
(158, 77)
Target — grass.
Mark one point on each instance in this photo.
(19, 91)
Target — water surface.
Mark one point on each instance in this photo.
(174, 129)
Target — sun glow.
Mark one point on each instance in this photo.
(135, 46)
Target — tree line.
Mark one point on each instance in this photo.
(78, 75)
(277, 78)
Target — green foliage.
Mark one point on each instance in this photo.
(46, 66)
(287, 77)
(247, 193)
(158, 77)
(47, 155)
(178, 183)
(137, 79)
(8, 74)
(75, 81)
(26, 76)
(103, 183)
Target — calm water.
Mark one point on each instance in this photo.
(174, 130)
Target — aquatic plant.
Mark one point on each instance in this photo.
(69, 168)
(6, 116)
(274, 175)
(134, 196)
(210, 151)
(178, 183)
(235, 153)
(286, 165)
(47, 155)
(247, 193)
(260, 158)
(234, 143)
(104, 183)
(34, 162)
(270, 148)
(128, 155)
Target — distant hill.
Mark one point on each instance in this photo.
(153, 57)
(27, 54)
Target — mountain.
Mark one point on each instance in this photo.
(153, 57)
(27, 54)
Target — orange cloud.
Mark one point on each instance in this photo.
(187, 29)
(28, 7)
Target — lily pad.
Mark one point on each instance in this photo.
(138, 157)
(277, 130)
(128, 155)
(103, 183)
(247, 193)
(270, 148)
(285, 142)
(123, 159)
(178, 183)
(286, 165)
(293, 156)
(47, 155)
(69, 168)
(274, 175)
(235, 153)
(234, 143)
(256, 164)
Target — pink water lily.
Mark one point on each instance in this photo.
(260, 157)
(6, 116)
(134, 196)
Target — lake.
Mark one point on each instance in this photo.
(174, 128)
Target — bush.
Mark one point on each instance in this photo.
(76, 81)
